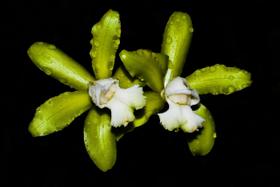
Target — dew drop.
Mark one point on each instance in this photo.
(50, 102)
(231, 77)
(115, 37)
(191, 29)
(214, 135)
(123, 56)
(95, 43)
(52, 47)
(93, 53)
(47, 71)
(168, 40)
(212, 69)
(230, 89)
(62, 81)
(244, 85)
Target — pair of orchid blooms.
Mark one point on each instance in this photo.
(123, 93)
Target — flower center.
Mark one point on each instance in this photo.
(180, 99)
(103, 91)
(179, 93)
(106, 95)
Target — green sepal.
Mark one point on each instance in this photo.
(176, 42)
(202, 142)
(125, 80)
(99, 141)
(57, 64)
(105, 42)
(58, 112)
(219, 79)
(145, 65)
(154, 103)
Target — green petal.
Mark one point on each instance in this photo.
(219, 79)
(154, 103)
(105, 42)
(125, 79)
(100, 142)
(145, 65)
(176, 42)
(57, 64)
(58, 112)
(204, 141)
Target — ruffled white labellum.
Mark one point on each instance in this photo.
(121, 102)
(180, 98)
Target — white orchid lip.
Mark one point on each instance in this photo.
(121, 102)
(180, 98)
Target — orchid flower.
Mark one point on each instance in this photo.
(163, 76)
(93, 93)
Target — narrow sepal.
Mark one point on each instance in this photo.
(219, 79)
(58, 112)
(105, 42)
(143, 64)
(202, 142)
(99, 140)
(176, 42)
(57, 64)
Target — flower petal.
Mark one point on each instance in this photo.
(180, 116)
(144, 65)
(105, 42)
(57, 64)
(176, 42)
(100, 142)
(58, 112)
(202, 143)
(219, 79)
(121, 114)
(107, 93)
(125, 80)
(132, 96)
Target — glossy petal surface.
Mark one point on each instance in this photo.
(176, 42)
(100, 142)
(203, 142)
(58, 112)
(143, 64)
(105, 42)
(125, 80)
(57, 64)
(219, 79)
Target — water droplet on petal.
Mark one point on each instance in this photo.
(230, 89)
(62, 81)
(214, 135)
(231, 77)
(47, 71)
(212, 69)
(52, 47)
(168, 40)
(191, 29)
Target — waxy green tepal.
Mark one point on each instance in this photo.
(120, 89)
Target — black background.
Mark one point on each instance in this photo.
(245, 35)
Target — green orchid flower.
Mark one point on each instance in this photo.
(120, 93)
(163, 76)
